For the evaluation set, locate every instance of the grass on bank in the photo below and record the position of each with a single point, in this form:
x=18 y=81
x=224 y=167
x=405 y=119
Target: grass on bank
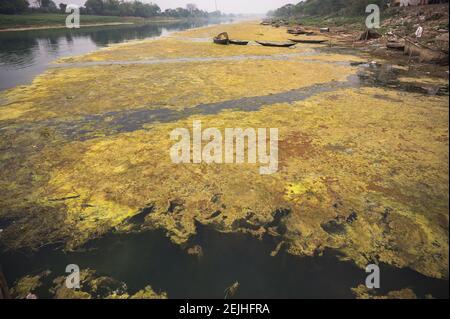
x=56 y=19
x=351 y=22
x=337 y=21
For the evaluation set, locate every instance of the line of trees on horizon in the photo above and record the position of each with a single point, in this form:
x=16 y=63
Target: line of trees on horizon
x=13 y=6
x=123 y=8
x=325 y=7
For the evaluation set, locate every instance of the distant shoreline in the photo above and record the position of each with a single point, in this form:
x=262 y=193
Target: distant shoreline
x=63 y=26
x=28 y=22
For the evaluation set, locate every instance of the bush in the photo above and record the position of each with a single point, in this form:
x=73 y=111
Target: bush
x=327 y=7
x=13 y=6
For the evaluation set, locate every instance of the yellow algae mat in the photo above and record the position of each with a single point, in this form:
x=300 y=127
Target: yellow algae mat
x=198 y=43
x=362 y=170
x=64 y=92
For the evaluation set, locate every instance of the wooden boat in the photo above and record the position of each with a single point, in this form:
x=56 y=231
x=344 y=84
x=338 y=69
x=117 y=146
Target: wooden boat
x=238 y=42
x=296 y=31
x=276 y=44
x=310 y=41
x=395 y=46
x=299 y=32
x=222 y=39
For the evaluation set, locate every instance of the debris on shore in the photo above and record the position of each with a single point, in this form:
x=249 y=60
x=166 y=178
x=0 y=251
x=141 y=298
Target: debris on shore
x=420 y=32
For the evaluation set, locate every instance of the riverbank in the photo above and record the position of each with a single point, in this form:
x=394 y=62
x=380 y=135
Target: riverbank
x=363 y=151
x=39 y=21
x=398 y=26
x=27 y=54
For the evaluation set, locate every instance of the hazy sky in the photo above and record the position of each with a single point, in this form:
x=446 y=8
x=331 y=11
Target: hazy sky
x=228 y=6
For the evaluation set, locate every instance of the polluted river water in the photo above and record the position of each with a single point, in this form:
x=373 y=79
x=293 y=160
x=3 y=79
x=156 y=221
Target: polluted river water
x=87 y=177
x=139 y=259
x=25 y=54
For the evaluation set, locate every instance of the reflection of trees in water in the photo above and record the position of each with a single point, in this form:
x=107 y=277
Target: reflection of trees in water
x=102 y=37
x=116 y=35
x=51 y=44
x=26 y=54
x=69 y=38
x=28 y=47
x=17 y=50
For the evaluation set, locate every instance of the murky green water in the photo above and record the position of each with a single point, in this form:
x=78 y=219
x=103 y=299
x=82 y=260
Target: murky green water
x=150 y=258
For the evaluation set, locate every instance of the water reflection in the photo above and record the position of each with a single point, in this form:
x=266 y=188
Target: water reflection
x=25 y=54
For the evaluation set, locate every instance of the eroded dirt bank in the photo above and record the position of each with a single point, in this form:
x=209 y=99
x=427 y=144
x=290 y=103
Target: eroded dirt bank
x=363 y=149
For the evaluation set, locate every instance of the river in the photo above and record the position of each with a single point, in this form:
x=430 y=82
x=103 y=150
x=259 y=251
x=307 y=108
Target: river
x=25 y=54
x=95 y=176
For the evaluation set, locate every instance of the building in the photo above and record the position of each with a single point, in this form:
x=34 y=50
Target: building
x=405 y=3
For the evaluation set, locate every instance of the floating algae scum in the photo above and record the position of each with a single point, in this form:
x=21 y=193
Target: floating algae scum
x=27 y=54
x=227 y=258
x=87 y=176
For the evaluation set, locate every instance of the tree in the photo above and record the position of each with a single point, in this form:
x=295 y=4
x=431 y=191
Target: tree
x=327 y=7
x=122 y=8
x=51 y=5
x=62 y=7
x=191 y=7
x=94 y=6
x=13 y=6
x=126 y=9
x=215 y=14
x=46 y=5
x=111 y=7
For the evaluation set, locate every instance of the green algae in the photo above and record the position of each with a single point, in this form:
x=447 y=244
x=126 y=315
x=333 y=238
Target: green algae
x=400 y=220
x=94 y=286
x=363 y=171
x=172 y=49
x=185 y=44
x=157 y=86
x=362 y=292
x=148 y=293
x=27 y=285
